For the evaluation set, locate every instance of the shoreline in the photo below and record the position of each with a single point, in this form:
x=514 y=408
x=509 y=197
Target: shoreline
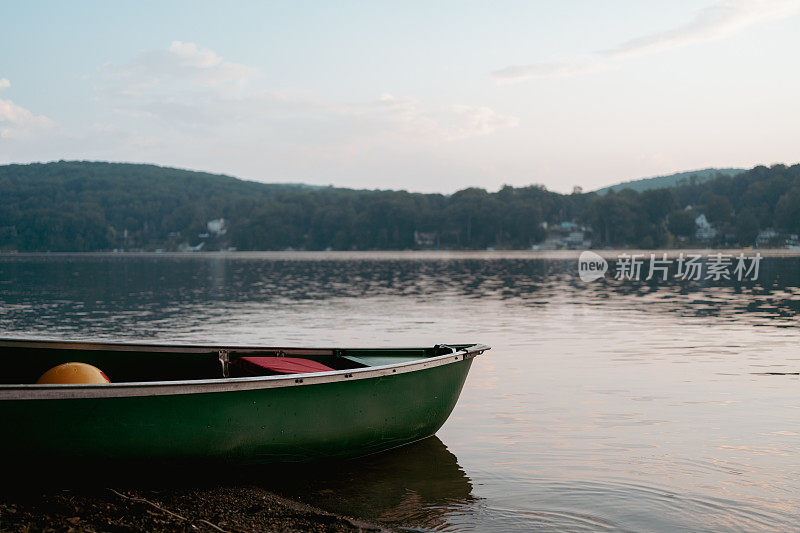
x=124 y=508
x=333 y=255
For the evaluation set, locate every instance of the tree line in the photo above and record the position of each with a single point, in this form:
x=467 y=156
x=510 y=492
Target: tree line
x=92 y=206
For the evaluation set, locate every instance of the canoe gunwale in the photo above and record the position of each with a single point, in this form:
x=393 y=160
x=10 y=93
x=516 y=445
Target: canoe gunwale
x=11 y=392
x=12 y=342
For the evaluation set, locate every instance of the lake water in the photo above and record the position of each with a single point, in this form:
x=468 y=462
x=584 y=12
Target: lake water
x=610 y=405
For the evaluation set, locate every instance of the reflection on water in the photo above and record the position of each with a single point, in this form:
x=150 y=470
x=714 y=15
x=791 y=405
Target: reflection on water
x=605 y=405
x=57 y=293
x=420 y=484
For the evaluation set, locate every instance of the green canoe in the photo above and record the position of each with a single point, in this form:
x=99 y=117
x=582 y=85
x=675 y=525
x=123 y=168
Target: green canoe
x=169 y=402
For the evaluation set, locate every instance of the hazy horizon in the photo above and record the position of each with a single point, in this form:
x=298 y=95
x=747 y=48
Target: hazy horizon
x=426 y=98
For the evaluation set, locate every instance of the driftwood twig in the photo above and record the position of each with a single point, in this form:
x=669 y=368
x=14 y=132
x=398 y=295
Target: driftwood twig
x=167 y=511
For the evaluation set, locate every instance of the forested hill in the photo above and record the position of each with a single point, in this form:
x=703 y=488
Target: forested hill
x=672 y=180
x=87 y=206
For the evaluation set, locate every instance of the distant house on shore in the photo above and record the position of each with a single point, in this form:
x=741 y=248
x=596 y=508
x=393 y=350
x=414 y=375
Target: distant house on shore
x=564 y=236
x=704 y=230
x=766 y=236
x=217 y=226
x=426 y=239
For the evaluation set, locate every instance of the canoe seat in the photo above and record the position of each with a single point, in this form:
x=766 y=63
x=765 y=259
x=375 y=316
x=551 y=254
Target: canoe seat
x=260 y=366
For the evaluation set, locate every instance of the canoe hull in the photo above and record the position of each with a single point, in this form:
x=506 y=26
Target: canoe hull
x=298 y=423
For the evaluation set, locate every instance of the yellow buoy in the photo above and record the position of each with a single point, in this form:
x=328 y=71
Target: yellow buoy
x=73 y=373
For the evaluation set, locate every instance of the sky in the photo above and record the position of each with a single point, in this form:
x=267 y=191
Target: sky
x=422 y=96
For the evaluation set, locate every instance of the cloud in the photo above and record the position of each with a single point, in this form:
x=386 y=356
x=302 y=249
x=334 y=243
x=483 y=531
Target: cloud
x=471 y=121
x=392 y=119
x=718 y=21
x=189 y=54
x=189 y=90
x=180 y=65
x=551 y=69
x=16 y=122
x=187 y=105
